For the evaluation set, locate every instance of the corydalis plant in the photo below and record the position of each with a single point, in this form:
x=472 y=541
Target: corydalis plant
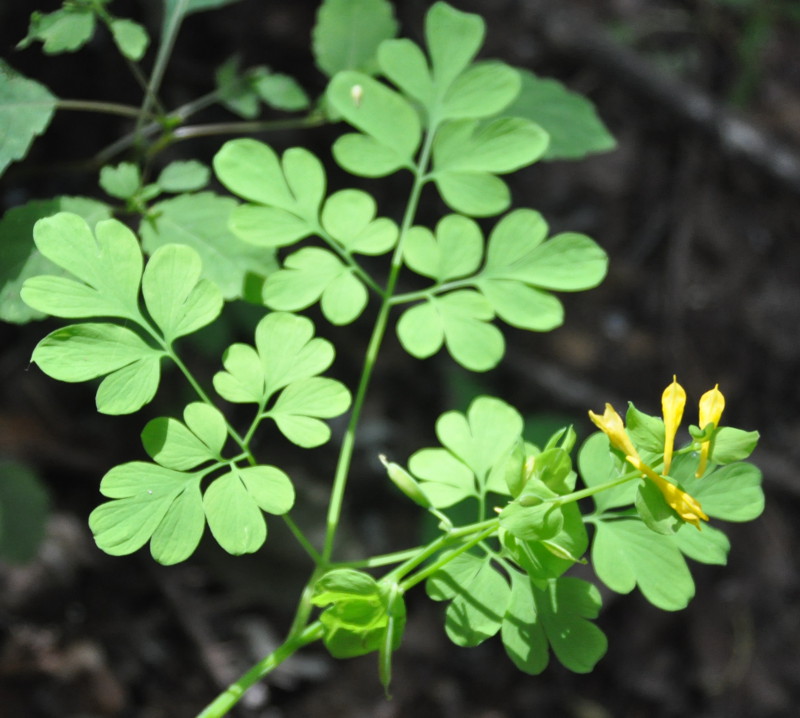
x=457 y=125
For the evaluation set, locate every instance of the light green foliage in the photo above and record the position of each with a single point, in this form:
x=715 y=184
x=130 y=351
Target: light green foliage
x=23 y=512
x=348 y=33
x=65 y=30
x=19 y=257
x=475 y=454
x=200 y=221
x=122 y=181
x=453 y=121
x=107 y=267
x=478 y=596
x=519 y=270
x=287 y=358
x=26 y=108
x=130 y=37
x=569 y=119
x=558 y=615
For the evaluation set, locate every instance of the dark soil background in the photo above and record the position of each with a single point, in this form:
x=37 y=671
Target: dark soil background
x=698 y=209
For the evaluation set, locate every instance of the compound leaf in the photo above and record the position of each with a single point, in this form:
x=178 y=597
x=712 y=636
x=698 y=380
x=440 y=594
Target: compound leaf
x=478 y=597
x=26 y=108
x=143 y=496
x=286 y=194
x=286 y=351
x=178 y=300
x=444 y=479
x=311 y=274
x=80 y=352
x=121 y=181
x=560 y=615
x=130 y=37
x=626 y=553
x=453 y=39
x=19 y=258
x=707 y=546
x=107 y=265
x=348 y=32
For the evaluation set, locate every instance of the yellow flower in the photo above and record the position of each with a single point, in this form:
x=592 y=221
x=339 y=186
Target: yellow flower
x=673 y=400
x=612 y=426
x=712 y=404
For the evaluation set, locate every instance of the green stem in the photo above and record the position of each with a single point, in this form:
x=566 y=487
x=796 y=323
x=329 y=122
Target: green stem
x=434 y=289
x=109 y=108
x=592 y=490
x=231 y=696
x=301 y=539
x=378 y=332
x=235 y=128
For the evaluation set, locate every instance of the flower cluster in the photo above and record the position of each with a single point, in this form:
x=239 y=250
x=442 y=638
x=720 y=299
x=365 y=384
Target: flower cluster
x=673 y=401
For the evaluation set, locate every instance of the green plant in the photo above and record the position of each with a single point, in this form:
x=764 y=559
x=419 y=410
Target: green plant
x=452 y=123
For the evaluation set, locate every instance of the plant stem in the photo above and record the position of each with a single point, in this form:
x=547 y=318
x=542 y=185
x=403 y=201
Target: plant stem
x=233 y=128
x=109 y=108
x=225 y=701
x=378 y=332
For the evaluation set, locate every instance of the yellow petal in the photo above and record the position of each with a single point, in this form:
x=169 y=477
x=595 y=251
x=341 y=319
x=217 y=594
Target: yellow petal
x=685 y=505
x=611 y=424
x=673 y=401
x=712 y=404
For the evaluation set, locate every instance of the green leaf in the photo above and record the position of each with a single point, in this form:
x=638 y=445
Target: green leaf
x=483 y=438
x=467 y=154
x=235 y=90
x=286 y=351
x=122 y=181
x=559 y=616
x=130 y=37
x=626 y=553
x=178 y=300
x=80 y=352
x=19 y=258
x=311 y=274
x=390 y=123
x=107 y=266
x=65 y=30
x=478 y=597
x=566 y=262
x=279 y=91
x=461 y=319
x=707 y=546
x=287 y=194
x=183 y=176
x=149 y=501
x=456 y=250
x=24 y=507
x=233 y=515
x=349 y=217
x=26 y=108
x=569 y=119
x=482 y=90
x=453 y=39
x=300 y=406
x=201 y=221
x=729 y=444
x=522 y=306
x=184 y=446
x=444 y=479
x=654 y=511
x=533 y=522
x=347 y=34
x=731 y=493
x=597 y=465
x=646 y=432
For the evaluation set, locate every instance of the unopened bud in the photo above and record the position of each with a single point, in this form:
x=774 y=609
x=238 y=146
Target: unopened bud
x=405 y=482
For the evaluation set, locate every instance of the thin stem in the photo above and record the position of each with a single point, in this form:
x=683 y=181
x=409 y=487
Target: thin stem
x=234 y=128
x=435 y=289
x=109 y=108
x=301 y=539
x=592 y=490
x=378 y=332
x=162 y=58
x=225 y=701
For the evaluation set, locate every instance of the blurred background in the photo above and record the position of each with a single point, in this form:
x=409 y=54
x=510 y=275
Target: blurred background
x=698 y=210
